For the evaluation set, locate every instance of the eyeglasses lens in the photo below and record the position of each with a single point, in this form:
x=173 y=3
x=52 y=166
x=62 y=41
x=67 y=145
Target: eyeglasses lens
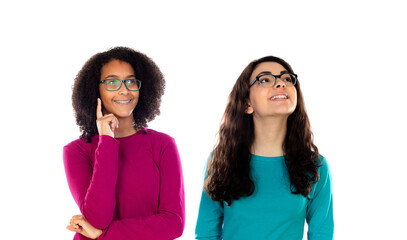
x=132 y=84
x=115 y=84
x=268 y=81
x=112 y=84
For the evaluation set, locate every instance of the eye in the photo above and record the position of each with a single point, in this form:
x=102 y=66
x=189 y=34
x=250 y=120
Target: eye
x=112 y=82
x=287 y=78
x=131 y=81
x=265 y=79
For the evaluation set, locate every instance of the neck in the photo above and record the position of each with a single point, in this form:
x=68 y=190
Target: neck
x=269 y=135
x=126 y=127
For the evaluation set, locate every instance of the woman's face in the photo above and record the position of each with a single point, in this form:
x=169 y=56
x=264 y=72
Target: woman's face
x=121 y=102
x=279 y=100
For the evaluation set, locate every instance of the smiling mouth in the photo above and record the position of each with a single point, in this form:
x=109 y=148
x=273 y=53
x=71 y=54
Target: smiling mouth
x=279 y=97
x=122 y=102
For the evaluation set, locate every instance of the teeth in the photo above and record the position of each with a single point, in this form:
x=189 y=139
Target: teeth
x=279 y=97
x=123 y=101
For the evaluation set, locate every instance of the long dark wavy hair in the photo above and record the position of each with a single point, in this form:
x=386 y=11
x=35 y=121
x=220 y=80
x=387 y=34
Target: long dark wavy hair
x=86 y=88
x=228 y=171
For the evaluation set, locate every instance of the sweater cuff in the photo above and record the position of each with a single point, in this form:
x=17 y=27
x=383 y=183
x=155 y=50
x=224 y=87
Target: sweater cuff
x=103 y=234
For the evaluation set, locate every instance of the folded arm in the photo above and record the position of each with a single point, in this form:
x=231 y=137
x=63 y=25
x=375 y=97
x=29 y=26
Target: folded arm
x=169 y=222
x=93 y=188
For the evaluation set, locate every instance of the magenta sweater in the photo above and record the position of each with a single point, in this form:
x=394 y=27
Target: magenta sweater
x=130 y=187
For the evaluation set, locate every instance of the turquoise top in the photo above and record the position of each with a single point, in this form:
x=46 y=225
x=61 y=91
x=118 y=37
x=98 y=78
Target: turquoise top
x=272 y=212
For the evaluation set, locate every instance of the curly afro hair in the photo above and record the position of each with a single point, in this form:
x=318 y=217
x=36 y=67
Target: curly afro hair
x=86 y=89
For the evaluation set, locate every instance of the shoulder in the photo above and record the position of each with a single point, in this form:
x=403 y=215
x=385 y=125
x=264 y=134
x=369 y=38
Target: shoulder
x=158 y=138
x=163 y=146
x=81 y=146
x=157 y=134
x=324 y=183
x=323 y=168
x=325 y=179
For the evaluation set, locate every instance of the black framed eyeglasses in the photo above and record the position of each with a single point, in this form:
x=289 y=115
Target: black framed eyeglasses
x=268 y=80
x=115 y=84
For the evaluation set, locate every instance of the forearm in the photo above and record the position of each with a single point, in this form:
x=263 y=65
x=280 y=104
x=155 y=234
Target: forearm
x=94 y=188
x=100 y=200
x=165 y=225
x=169 y=220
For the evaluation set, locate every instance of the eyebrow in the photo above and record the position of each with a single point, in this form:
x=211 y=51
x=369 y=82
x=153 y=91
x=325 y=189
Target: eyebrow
x=115 y=76
x=267 y=72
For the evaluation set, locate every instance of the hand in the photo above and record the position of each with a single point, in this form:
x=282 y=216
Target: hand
x=105 y=124
x=79 y=224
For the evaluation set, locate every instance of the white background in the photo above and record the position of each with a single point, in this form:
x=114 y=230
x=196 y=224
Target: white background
x=350 y=57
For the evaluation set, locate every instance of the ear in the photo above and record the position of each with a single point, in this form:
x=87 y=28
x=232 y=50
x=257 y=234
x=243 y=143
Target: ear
x=249 y=108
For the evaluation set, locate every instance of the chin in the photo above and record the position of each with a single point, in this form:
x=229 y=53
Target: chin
x=123 y=115
x=284 y=111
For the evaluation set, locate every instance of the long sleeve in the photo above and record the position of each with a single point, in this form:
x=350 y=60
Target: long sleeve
x=93 y=187
x=169 y=222
x=210 y=219
x=320 y=207
x=210 y=216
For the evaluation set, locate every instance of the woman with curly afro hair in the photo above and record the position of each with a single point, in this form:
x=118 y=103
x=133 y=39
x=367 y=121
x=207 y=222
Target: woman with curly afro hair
x=265 y=176
x=126 y=179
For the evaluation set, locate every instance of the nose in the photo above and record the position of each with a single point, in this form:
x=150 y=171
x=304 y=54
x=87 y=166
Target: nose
x=279 y=83
x=123 y=89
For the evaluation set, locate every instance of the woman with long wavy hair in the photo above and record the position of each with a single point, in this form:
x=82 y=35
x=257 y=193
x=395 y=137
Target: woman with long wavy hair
x=265 y=176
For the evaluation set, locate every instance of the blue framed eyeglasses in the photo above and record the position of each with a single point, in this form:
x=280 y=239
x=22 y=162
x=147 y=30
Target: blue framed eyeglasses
x=115 y=84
